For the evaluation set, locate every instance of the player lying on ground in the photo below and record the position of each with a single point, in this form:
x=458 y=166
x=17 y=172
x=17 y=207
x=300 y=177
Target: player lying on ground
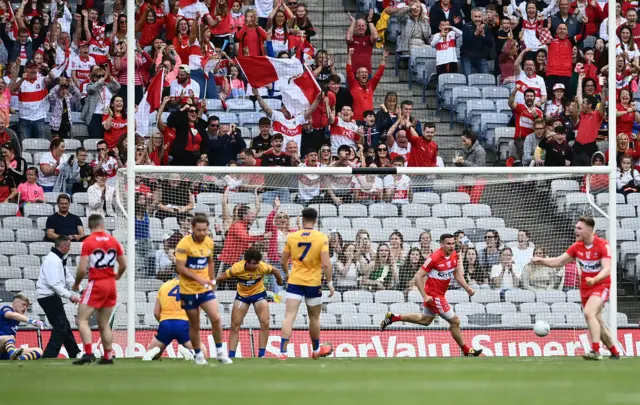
x=439 y=268
x=173 y=323
x=250 y=274
x=594 y=259
x=194 y=264
x=100 y=252
x=309 y=253
x=10 y=318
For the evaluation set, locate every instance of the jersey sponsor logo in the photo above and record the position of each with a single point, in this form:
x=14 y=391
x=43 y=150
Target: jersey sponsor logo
x=197 y=262
x=250 y=283
x=441 y=275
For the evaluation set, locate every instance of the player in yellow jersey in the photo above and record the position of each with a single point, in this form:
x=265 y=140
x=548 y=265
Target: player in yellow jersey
x=250 y=274
x=194 y=264
x=174 y=323
x=309 y=253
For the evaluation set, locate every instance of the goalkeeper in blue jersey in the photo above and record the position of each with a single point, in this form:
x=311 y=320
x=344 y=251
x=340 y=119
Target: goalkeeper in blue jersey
x=10 y=317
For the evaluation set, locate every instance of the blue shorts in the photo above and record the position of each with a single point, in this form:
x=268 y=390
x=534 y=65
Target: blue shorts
x=4 y=356
x=252 y=299
x=193 y=301
x=171 y=329
x=312 y=294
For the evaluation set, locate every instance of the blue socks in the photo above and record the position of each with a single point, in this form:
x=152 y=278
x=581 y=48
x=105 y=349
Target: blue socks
x=197 y=351
x=10 y=347
x=218 y=345
x=261 y=352
x=283 y=345
x=30 y=356
x=315 y=344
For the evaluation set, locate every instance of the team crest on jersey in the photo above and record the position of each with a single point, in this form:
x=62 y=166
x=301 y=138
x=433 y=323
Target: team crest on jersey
x=588 y=255
x=37 y=86
x=448 y=263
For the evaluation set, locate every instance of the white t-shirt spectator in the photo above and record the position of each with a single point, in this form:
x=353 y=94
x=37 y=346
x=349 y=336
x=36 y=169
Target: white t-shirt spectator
x=400 y=151
x=521 y=257
x=343 y=133
x=309 y=184
x=32 y=97
x=400 y=186
x=110 y=167
x=446 y=47
x=291 y=129
x=191 y=88
x=82 y=67
x=47 y=158
x=263 y=8
x=509 y=279
x=375 y=187
x=535 y=82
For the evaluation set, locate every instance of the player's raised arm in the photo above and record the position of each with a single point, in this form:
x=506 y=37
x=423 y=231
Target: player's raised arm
x=419 y=280
x=458 y=275
x=327 y=270
x=557 y=261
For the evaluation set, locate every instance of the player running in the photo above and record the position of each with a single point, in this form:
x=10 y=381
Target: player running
x=309 y=252
x=10 y=317
x=251 y=291
x=439 y=268
x=100 y=252
x=594 y=258
x=194 y=264
x=174 y=323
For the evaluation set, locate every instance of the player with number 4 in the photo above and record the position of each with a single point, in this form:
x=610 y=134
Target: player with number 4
x=100 y=252
x=309 y=253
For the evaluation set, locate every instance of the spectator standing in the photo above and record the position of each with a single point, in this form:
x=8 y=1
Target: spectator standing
x=183 y=89
x=522 y=250
x=341 y=94
x=63 y=222
x=591 y=15
x=558 y=152
x=362 y=89
x=525 y=115
x=370 y=134
x=319 y=121
x=275 y=157
x=80 y=65
x=191 y=139
x=361 y=43
x=626 y=114
x=54 y=283
x=559 y=66
x=369 y=188
x=444 y=42
x=526 y=78
x=32 y=100
x=250 y=38
x=476 y=41
x=424 y=150
x=416 y=32
x=61 y=99
x=591 y=116
x=114 y=122
x=238 y=239
x=445 y=10
x=532 y=141
x=263 y=9
x=225 y=147
x=564 y=16
x=388 y=113
x=100 y=91
x=50 y=163
x=262 y=142
x=397 y=188
x=79 y=173
x=101 y=196
x=344 y=130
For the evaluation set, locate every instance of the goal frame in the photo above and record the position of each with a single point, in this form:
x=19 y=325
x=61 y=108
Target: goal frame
x=133 y=169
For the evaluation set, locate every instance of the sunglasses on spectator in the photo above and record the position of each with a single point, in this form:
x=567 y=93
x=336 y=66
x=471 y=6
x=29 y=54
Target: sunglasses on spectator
x=193 y=110
x=326 y=150
x=489 y=237
x=140 y=149
x=292 y=3
x=214 y=125
x=382 y=149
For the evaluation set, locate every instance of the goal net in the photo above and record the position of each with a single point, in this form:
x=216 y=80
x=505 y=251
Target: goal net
x=380 y=228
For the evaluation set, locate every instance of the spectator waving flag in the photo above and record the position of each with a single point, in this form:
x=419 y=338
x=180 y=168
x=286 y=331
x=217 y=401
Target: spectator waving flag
x=150 y=103
x=298 y=86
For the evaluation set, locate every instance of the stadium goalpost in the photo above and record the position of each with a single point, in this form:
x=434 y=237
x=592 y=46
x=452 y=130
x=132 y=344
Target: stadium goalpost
x=126 y=188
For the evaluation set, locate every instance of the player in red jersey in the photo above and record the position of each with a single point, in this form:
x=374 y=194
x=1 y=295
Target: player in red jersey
x=592 y=254
x=439 y=268
x=100 y=253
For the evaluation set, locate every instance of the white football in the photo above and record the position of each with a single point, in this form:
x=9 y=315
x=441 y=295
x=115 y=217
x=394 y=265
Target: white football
x=541 y=328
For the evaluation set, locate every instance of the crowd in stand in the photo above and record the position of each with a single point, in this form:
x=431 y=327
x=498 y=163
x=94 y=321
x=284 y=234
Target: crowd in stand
x=65 y=64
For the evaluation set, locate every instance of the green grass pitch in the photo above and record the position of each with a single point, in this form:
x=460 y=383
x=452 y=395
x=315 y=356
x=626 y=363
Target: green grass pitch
x=438 y=381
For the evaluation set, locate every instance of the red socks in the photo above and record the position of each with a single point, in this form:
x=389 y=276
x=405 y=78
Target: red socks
x=595 y=347
x=465 y=349
x=396 y=318
x=88 y=348
x=614 y=351
x=108 y=354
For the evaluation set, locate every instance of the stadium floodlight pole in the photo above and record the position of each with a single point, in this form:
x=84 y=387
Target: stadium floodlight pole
x=613 y=149
x=131 y=179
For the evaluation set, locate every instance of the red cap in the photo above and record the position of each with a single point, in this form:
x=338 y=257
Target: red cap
x=83 y=43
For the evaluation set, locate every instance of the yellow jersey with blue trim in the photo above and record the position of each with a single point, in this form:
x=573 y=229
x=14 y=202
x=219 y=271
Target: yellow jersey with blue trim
x=197 y=257
x=170 y=304
x=305 y=247
x=250 y=282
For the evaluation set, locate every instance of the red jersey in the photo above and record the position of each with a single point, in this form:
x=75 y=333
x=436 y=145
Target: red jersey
x=424 y=153
x=589 y=258
x=102 y=250
x=118 y=128
x=524 y=120
x=363 y=49
x=439 y=270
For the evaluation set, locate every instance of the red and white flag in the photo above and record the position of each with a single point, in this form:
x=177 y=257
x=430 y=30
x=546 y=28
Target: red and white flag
x=189 y=9
x=150 y=102
x=298 y=87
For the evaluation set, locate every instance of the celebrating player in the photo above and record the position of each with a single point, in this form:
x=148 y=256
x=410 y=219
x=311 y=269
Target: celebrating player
x=309 y=252
x=251 y=291
x=439 y=267
x=592 y=254
x=100 y=252
x=10 y=318
x=174 y=323
x=194 y=264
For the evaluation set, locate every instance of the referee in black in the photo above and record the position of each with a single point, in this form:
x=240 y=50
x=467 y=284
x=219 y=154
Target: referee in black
x=54 y=284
